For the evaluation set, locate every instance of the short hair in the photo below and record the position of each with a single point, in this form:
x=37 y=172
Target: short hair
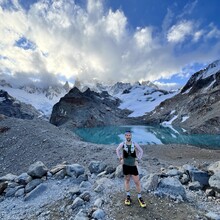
x=127 y=132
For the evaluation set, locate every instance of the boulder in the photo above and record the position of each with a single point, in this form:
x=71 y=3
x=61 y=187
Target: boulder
x=23 y=179
x=98 y=202
x=149 y=182
x=57 y=168
x=99 y=214
x=214 y=168
x=119 y=172
x=195 y=186
x=37 y=169
x=9 y=192
x=77 y=202
x=74 y=170
x=8 y=177
x=81 y=215
x=96 y=166
x=60 y=174
x=110 y=170
x=85 y=196
x=31 y=185
x=173 y=172
x=200 y=176
x=3 y=186
x=35 y=192
x=171 y=186
x=19 y=192
x=184 y=179
x=214 y=181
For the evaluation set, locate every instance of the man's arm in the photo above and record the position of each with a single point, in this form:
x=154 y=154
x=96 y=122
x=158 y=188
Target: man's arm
x=139 y=151
x=119 y=152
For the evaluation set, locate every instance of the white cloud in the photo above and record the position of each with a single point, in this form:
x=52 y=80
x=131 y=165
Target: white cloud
x=180 y=31
x=197 y=35
x=91 y=42
x=214 y=32
x=143 y=37
x=167 y=86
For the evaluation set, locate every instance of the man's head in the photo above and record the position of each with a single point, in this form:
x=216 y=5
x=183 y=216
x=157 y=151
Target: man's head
x=128 y=136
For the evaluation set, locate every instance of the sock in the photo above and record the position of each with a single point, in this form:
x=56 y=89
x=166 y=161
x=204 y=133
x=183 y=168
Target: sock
x=139 y=195
x=128 y=193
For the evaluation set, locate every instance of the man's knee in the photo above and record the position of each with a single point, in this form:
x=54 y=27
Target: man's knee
x=127 y=178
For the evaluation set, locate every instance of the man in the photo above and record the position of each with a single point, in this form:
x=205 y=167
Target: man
x=129 y=153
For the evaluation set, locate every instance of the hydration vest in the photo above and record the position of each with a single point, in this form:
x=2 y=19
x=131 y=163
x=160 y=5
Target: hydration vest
x=127 y=152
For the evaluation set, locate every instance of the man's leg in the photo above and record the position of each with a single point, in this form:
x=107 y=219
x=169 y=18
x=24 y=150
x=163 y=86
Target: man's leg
x=127 y=183
x=138 y=187
x=137 y=183
x=127 y=189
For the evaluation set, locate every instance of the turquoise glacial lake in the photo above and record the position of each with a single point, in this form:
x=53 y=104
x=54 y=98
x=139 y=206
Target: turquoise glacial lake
x=147 y=135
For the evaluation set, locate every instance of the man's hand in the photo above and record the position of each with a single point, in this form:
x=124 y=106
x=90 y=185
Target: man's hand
x=121 y=161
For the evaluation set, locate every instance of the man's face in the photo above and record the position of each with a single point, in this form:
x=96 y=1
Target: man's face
x=128 y=136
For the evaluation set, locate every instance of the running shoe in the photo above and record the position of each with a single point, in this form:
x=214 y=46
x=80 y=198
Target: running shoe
x=141 y=202
x=128 y=200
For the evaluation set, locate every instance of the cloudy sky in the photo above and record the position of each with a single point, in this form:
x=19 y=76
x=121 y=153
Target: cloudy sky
x=163 y=41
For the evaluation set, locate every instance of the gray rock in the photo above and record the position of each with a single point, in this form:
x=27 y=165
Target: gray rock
x=85 y=184
x=119 y=172
x=8 y=177
x=210 y=192
x=149 y=182
x=215 y=167
x=60 y=174
x=37 y=169
x=85 y=196
x=9 y=192
x=81 y=178
x=195 y=186
x=99 y=188
x=35 y=192
x=57 y=168
x=184 y=179
x=188 y=168
x=19 y=192
x=74 y=191
x=99 y=214
x=23 y=179
x=214 y=181
x=81 y=215
x=74 y=170
x=77 y=202
x=96 y=166
x=98 y=203
x=31 y=185
x=110 y=169
x=103 y=173
x=173 y=172
x=3 y=186
x=171 y=186
x=200 y=176
x=212 y=216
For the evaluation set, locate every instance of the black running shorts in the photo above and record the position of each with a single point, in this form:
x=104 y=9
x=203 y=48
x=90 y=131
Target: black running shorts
x=130 y=170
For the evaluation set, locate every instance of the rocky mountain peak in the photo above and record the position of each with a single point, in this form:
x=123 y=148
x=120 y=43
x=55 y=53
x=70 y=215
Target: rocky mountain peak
x=11 y=107
x=203 y=80
x=196 y=107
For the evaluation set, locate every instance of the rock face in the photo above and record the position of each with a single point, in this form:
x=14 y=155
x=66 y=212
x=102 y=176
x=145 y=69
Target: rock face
x=13 y=108
x=195 y=108
x=89 y=109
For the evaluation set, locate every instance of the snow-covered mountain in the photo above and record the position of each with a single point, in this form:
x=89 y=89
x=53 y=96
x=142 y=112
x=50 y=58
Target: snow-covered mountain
x=138 y=97
x=42 y=99
x=196 y=106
